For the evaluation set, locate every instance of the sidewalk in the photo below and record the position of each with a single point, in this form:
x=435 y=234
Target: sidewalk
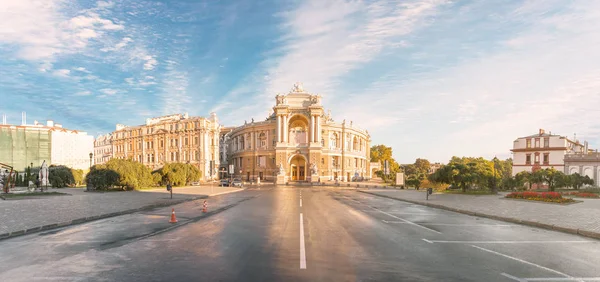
x=581 y=218
x=18 y=217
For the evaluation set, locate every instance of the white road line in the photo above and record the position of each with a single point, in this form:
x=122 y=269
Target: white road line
x=451 y=224
x=522 y=261
x=512 y=277
x=427 y=241
x=302 y=249
x=562 y=279
x=300 y=202
x=510 y=242
x=409 y=222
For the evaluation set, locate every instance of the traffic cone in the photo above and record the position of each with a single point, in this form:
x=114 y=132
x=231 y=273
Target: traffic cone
x=173 y=218
x=204 y=207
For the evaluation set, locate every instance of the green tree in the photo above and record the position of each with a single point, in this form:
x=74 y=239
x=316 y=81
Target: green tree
x=550 y=176
x=381 y=153
x=577 y=180
x=178 y=174
x=422 y=166
x=77 y=176
x=524 y=177
x=102 y=178
x=60 y=176
x=132 y=175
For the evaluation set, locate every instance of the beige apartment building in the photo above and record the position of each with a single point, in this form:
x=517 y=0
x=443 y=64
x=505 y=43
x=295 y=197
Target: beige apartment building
x=299 y=141
x=173 y=138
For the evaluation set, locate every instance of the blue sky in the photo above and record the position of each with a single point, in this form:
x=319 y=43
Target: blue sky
x=431 y=78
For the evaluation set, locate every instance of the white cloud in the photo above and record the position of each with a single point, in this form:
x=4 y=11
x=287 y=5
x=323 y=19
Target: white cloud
x=174 y=83
x=83 y=93
x=41 y=31
x=62 y=72
x=104 y=4
x=150 y=62
x=109 y=91
x=129 y=80
x=82 y=69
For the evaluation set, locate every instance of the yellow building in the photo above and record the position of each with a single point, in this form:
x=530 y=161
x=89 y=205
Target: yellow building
x=298 y=142
x=173 y=138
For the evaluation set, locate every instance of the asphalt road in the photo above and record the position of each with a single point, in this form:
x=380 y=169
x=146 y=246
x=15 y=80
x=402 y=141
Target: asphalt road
x=299 y=234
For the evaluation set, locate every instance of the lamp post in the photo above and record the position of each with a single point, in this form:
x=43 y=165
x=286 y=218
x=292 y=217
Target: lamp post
x=91 y=156
x=494 y=188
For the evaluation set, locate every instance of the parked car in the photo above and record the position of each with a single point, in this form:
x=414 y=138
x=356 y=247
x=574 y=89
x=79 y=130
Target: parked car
x=195 y=183
x=224 y=183
x=236 y=183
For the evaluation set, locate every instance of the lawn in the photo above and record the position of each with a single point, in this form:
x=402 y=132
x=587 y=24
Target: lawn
x=34 y=194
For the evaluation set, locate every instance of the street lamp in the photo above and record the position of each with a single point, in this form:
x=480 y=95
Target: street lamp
x=91 y=156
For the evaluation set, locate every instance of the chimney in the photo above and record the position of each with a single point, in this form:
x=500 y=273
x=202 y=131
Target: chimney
x=542 y=131
x=50 y=123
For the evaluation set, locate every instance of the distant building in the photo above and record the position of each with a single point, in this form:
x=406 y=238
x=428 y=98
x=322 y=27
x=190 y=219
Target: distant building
x=103 y=148
x=173 y=138
x=32 y=144
x=299 y=141
x=584 y=164
x=434 y=167
x=543 y=150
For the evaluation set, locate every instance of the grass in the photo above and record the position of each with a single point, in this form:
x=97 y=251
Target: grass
x=34 y=194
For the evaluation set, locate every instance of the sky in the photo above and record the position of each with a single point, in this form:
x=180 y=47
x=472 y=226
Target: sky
x=430 y=78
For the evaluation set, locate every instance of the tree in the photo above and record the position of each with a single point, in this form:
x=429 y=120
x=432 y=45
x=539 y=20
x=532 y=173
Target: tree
x=102 y=178
x=577 y=180
x=422 y=166
x=60 y=176
x=381 y=153
x=132 y=175
x=550 y=176
x=77 y=176
x=524 y=177
x=178 y=173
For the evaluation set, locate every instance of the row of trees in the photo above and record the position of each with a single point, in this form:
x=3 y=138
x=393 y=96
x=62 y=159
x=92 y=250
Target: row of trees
x=59 y=176
x=129 y=175
x=552 y=178
x=468 y=173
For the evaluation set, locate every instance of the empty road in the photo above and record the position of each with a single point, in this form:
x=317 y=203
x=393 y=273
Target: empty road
x=299 y=234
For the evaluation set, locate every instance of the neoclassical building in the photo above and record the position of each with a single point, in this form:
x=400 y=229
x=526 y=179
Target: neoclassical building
x=173 y=138
x=298 y=142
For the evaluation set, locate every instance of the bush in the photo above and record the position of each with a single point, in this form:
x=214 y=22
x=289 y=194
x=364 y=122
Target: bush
x=132 y=175
x=60 y=176
x=177 y=174
x=102 y=178
x=554 y=197
x=581 y=194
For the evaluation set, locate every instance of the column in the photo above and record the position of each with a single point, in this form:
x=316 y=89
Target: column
x=285 y=128
x=278 y=128
x=318 y=129
x=312 y=129
x=596 y=176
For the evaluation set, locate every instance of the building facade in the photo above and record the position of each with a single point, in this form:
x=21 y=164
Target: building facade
x=103 y=148
x=584 y=164
x=173 y=138
x=32 y=144
x=543 y=150
x=298 y=142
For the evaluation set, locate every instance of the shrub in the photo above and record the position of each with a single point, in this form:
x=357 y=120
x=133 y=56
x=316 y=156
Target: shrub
x=582 y=194
x=554 y=197
x=60 y=176
x=102 y=178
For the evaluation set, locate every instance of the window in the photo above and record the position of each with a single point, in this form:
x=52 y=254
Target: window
x=162 y=143
x=196 y=140
x=333 y=141
x=322 y=161
x=537 y=158
x=186 y=140
x=242 y=143
x=546 y=158
x=262 y=140
x=528 y=159
x=322 y=142
x=537 y=142
x=528 y=143
x=355 y=162
x=176 y=142
x=546 y=142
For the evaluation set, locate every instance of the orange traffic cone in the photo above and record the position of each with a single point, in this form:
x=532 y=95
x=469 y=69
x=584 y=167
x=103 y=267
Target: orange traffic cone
x=204 y=207
x=173 y=218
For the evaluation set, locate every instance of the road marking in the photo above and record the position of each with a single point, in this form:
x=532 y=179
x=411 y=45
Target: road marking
x=409 y=222
x=512 y=277
x=451 y=224
x=561 y=279
x=302 y=250
x=427 y=241
x=509 y=242
x=300 y=202
x=522 y=261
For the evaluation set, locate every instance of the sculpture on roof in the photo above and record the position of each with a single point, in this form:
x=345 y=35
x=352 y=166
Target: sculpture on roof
x=297 y=88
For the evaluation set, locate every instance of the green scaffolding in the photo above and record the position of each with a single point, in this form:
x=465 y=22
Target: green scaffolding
x=20 y=147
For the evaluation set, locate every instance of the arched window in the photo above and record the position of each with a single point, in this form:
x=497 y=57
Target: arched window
x=298 y=132
x=242 y=143
x=355 y=144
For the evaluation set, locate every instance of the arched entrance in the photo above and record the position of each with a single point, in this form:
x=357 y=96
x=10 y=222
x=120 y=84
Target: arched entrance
x=298 y=168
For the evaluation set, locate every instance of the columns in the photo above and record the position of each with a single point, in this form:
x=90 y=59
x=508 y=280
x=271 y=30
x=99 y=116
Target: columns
x=279 y=128
x=312 y=129
x=285 y=128
x=318 y=129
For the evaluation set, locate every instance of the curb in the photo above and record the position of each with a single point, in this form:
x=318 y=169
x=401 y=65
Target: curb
x=585 y=233
x=93 y=218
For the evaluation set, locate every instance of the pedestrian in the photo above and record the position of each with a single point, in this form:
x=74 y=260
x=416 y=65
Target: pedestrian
x=170 y=189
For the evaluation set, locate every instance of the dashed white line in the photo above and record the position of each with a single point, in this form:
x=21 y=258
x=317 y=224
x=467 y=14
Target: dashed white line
x=522 y=261
x=302 y=249
x=300 y=202
x=512 y=277
x=427 y=241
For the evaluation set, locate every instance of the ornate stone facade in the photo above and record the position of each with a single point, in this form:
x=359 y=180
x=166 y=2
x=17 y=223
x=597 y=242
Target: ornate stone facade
x=298 y=142
x=174 y=138
x=584 y=164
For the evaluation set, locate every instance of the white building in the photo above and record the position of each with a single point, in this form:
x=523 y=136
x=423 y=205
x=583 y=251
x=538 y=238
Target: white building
x=543 y=150
x=103 y=148
x=70 y=148
x=584 y=164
